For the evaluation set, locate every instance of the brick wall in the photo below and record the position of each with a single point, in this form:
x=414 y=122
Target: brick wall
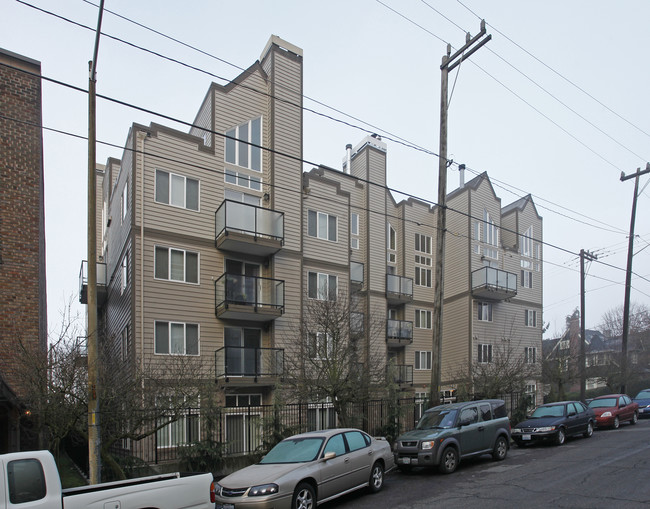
x=22 y=237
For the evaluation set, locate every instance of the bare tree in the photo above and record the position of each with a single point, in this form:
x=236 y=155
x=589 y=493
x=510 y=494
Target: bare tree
x=335 y=354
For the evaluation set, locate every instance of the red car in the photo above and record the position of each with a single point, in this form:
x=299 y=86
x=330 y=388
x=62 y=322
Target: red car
x=611 y=409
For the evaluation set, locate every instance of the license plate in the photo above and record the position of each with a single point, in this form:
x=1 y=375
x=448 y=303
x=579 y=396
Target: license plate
x=225 y=506
x=525 y=437
x=405 y=461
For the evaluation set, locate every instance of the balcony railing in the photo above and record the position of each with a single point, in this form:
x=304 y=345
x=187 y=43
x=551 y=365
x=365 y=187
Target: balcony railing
x=399 y=289
x=493 y=284
x=400 y=373
x=399 y=332
x=101 y=283
x=239 y=297
x=250 y=229
x=246 y=362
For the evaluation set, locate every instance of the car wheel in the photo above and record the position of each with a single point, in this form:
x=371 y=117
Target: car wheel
x=560 y=437
x=304 y=497
x=635 y=418
x=449 y=460
x=617 y=423
x=376 y=480
x=589 y=431
x=500 y=449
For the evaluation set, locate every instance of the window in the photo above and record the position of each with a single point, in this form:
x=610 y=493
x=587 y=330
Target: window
x=530 y=318
x=491 y=236
x=421 y=400
x=182 y=431
x=176 y=338
x=321 y=225
x=176 y=265
x=354 y=231
x=423 y=243
x=125 y=272
x=356 y=272
x=322 y=286
x=484 y=353
x=530 y=355
x=423 y=277
x=321 y=416
x=320 y=345
x=125 y=202
x=243 y=180
x=486 y=412
x=250 y=199
x=526 y=278
x=356 y=440
x=422 y=319
x=243 y=145
x=124 y=346
x=243 y=400
x=469 y=415
x=391 y=243
x=177 y=190
x=356 y=322
x=484 y=311
x=335 y=445
x=243 y=353
x=26 y=481
x=423 y=360
x=527 y=243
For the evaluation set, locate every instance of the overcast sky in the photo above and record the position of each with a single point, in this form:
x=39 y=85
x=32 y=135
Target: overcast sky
x=555 y=105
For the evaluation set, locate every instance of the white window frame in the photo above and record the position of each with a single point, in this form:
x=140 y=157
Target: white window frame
x=175 y=433
x=240 y=179
x=484 y=353
x=425 y=241
x=391 y=243
x=526 y=278
x=530 y=355
x=422 y=319
x=354 y=230
x=323 y=283
x=169 y=338
x=527 y=242
x=170 y=201
x=491 y=250
x=484 y=311
x=322 y=220
x=235 y=140
x=530 y=318
x=124 y=204
x=320 y=342
x=423 y=275
x=169 y=265
x=422 y=360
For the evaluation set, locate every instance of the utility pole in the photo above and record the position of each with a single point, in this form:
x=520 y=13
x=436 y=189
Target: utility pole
x=94 y=438
x=583 y=372
x=449 y=62
x=628 y=274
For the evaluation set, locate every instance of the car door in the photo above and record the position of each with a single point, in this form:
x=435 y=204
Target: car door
x=469 y=435
x=627 y=409
x=334 y=472
x=361 y=457
x=487 y=435
x=573 y=419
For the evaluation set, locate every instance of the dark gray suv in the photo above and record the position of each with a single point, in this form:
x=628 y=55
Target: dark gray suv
x=448 y=433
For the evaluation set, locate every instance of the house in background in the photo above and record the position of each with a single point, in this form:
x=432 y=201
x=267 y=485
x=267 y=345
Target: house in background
x=212 y=247
x=23 y=305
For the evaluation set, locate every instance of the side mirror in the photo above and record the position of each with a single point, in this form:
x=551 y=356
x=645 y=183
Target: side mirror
x=329 y=455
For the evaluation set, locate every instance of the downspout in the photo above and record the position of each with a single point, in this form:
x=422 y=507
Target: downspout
x=142 y=137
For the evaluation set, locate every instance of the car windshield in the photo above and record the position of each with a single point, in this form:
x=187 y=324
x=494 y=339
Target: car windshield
x=294 y=450
x=603 y=403
x=645 y=394
x=437 y=419
x=548 y=411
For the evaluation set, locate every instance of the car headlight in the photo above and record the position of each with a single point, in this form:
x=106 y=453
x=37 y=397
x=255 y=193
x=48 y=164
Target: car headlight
x=263 y=489
x=429 y=444
x=606 y=414
x=216 y=488
x=546 y=428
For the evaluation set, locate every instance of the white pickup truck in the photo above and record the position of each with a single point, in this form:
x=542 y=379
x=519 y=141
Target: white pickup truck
x=30 y=480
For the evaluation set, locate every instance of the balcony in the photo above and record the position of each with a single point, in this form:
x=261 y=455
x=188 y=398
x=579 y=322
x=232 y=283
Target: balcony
x=493 y=284
x=399 y=289
x=400 y=373
x=241 y=364
x=101 y=283
x=399 y=333
x=249 y=229
x=250 y=298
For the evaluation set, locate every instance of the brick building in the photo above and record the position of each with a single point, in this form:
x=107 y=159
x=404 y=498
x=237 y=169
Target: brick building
x=23 y=307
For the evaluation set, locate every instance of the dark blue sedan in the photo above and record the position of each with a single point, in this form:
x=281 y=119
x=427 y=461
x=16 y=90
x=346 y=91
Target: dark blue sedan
x=643 y=399
x=555 y=422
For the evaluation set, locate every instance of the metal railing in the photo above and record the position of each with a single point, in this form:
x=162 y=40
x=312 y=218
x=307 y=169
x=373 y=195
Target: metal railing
x=399 y=285
x=250 y=219
x=399 y=329
x=254 y=291
x=236 y=361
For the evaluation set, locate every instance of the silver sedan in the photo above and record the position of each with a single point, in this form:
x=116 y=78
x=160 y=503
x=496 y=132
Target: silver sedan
x=307 y=469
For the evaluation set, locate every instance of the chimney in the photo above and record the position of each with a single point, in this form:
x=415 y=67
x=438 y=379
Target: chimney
x=461 y=169
x=348 y=158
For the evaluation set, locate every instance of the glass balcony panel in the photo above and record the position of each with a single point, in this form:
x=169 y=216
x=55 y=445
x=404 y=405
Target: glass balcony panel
x=493 y=284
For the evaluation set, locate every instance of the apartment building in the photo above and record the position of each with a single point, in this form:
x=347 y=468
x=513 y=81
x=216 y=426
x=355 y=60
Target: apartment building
x=23 y=305
x=212 y=245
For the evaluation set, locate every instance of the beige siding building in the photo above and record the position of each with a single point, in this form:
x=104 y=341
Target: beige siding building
x=214 y=240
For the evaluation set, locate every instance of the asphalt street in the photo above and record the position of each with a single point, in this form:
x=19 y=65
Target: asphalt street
x=609 y=470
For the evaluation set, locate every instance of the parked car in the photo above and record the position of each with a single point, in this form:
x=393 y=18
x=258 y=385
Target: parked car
x=30 y=479
x=447 y=434
x=555 y=422
x=308 y=469
x=611 y=409
x=643 y=400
